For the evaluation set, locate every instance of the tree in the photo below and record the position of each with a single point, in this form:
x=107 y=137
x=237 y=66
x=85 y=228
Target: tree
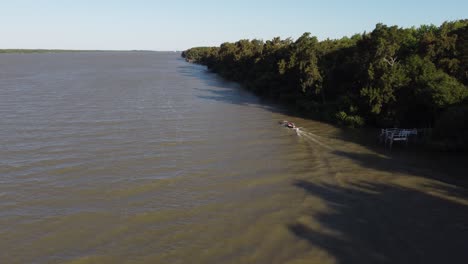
x=389 y=76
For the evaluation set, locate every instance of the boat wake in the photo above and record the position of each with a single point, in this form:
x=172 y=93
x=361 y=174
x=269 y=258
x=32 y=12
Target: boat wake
x=311 y=137
x=308 y=136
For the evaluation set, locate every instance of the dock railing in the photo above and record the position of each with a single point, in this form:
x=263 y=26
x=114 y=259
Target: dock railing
x=389 y=135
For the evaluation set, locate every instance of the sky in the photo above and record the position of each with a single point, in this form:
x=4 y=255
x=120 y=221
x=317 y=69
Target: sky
x=179 y=25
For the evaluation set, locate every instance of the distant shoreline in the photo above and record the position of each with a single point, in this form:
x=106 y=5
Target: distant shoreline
x=7 y=51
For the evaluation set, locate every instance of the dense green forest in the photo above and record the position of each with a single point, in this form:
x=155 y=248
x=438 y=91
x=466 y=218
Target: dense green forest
x=390 y=77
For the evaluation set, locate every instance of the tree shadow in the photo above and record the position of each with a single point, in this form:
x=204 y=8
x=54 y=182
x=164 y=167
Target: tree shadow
x=371 y=222
x=218 y=89
x=447 y=168
x=413 y=159
x=199 y=72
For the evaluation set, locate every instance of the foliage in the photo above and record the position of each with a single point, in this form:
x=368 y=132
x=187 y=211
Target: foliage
x=202 y=55
x=349 y=120
x=452 y=127
x=391 y=76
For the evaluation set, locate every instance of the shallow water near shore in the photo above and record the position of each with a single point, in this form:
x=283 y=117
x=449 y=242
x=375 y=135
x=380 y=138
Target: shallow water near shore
x=140 y=157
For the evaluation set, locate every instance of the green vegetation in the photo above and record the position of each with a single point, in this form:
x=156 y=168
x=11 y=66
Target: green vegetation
x=392 y=76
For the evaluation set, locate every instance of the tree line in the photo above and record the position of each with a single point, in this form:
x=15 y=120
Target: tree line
x=390 y=77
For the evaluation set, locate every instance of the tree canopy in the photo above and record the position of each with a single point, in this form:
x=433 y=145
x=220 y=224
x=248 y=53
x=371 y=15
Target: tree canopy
x=391 y=76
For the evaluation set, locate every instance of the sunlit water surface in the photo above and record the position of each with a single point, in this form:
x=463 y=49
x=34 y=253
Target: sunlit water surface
x=140 y=157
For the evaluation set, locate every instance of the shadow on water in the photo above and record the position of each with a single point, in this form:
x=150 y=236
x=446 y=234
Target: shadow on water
x=226 y=94
x=219 y=89
x=447 y=168
x=370 y=221
x=383 y=223
x=416 y=211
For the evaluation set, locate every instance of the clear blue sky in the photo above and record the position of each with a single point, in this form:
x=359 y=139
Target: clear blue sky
x=178 y=25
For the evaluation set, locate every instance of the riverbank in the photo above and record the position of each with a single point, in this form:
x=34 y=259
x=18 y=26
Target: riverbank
x=360 y=81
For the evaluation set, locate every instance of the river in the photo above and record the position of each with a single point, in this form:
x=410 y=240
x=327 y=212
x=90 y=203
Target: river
x=141 y=157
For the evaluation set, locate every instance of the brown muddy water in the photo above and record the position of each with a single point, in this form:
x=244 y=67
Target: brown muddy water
x=140 y=157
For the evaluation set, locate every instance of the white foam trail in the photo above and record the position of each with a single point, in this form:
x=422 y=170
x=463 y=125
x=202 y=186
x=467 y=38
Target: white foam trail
x=310 y=136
